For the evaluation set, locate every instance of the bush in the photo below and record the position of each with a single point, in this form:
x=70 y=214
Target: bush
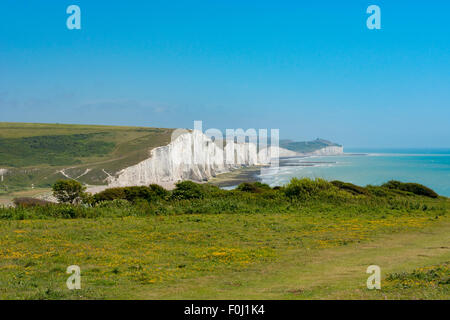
x=27 y=202
x=255 y=187
x=110 y=194
x=188 y=190
x=151 y=193
x=68 y=191
x=306 y=188
x=415 y=188
x=350 y=187
x=158 y=191
x=378 y=191
x=139 y=192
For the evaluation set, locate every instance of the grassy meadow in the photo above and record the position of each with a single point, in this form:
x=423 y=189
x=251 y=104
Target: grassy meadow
x=308 y=240
x=35 y=154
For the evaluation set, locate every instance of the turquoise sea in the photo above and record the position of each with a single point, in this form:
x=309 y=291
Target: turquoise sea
x=430 y=167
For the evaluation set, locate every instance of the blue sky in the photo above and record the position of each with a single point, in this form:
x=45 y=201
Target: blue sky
x=310 y=68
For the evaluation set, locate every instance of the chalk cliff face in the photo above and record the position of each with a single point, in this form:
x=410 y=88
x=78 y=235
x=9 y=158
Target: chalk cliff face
x=194 y=156
x=328 y=151
x=191 y=156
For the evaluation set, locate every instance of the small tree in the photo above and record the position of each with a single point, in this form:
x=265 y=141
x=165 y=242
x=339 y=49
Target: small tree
x=68 y=191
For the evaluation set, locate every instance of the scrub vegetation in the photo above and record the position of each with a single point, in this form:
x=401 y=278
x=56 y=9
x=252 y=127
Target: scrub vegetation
x=308 y=239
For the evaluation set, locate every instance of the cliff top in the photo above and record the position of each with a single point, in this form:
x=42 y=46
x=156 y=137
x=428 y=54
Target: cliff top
x=39 y=154
x=307 y=146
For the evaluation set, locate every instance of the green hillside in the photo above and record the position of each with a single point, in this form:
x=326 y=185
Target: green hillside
x=36 y=153
x=307 y=146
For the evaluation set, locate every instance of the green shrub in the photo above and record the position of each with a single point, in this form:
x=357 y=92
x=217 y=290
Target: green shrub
x=68 y=191
x=306 y=188
x=317 y=196
x=214 y=191
x=138 y=193
x=67 y=211
x=152 y=193
x=110 y=194
x=415 y=188
x=158 y=191
x=350 y=187
x=253 y=187
x=188 y=190
x=378 y=191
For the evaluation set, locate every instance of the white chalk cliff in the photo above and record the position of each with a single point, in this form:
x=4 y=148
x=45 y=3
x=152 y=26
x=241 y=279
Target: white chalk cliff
x=328 y=151
x=194 y=156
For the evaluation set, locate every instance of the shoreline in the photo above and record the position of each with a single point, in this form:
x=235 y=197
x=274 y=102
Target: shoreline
x=250 y=174
x=236 y=177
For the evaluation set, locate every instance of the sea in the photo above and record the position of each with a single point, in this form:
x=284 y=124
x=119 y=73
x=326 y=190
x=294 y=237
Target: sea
x=360 y=166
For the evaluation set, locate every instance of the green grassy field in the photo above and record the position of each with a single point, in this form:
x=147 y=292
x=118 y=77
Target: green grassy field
x=223 y=257
x=232 y=245
x=35 y=154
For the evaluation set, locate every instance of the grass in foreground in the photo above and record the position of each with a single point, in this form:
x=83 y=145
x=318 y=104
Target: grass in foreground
x=310 y=239
x=220 y=256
